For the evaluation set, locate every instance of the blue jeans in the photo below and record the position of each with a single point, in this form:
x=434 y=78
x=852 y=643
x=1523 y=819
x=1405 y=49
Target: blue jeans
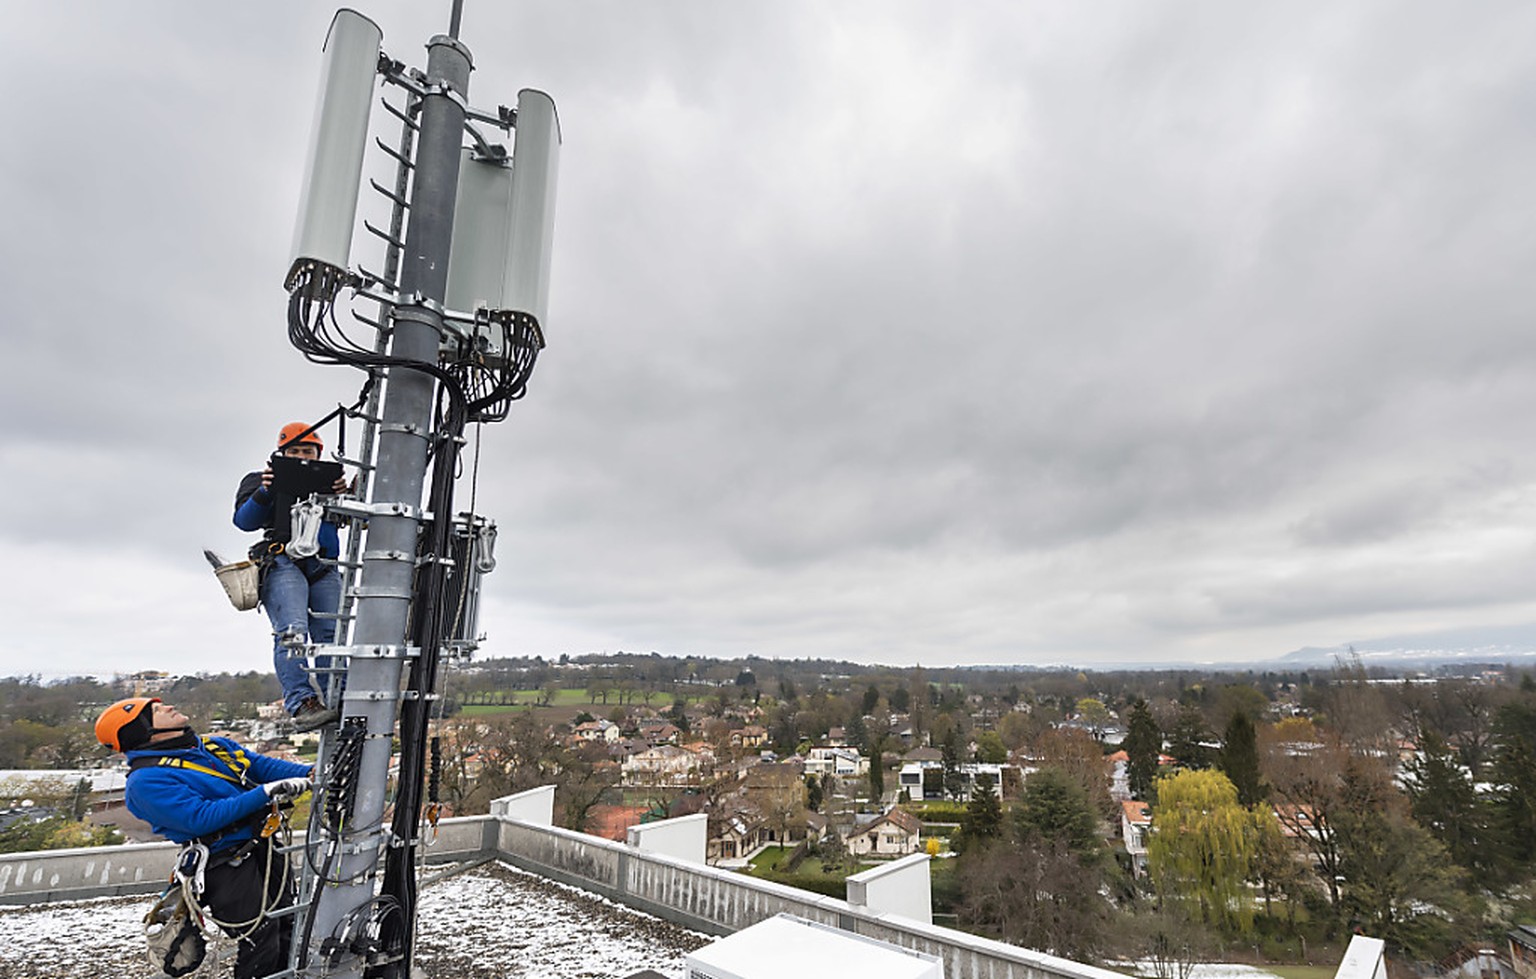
x=289 y=599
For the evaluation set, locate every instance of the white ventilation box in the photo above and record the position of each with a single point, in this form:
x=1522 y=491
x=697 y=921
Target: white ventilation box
x=785 y=945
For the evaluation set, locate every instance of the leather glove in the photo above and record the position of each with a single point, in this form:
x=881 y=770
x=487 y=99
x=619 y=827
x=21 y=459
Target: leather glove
x=287 y=789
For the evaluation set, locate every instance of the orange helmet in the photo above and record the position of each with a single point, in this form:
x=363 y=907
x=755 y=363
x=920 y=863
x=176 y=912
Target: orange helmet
x=127 y=724
x=292 y=429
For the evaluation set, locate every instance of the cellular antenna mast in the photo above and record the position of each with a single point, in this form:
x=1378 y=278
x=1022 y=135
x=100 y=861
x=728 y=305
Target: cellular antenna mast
x=461 y=309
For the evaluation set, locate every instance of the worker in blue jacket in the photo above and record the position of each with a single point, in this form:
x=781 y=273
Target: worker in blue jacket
x=211 y=791
x=294 y=588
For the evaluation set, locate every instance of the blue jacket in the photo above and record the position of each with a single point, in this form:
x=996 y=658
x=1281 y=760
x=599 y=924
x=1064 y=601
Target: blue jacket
x=255 y=509
x=183 y=803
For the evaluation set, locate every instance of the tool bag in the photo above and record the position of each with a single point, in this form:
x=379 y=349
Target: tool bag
x=242 y=583
x=174 y=941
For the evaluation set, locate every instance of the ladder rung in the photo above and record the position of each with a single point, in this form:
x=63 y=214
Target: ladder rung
x=388 y=238
x=400 y=114
x=390 y=194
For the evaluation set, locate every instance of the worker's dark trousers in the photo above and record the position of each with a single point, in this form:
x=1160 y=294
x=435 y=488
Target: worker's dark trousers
x=233 y=893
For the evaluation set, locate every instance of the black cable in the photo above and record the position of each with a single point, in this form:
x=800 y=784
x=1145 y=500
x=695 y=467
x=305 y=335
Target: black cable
x=475 y=389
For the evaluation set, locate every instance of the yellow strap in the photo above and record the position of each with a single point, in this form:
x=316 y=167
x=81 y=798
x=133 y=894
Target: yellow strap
x=238 y=764
x=169 y=762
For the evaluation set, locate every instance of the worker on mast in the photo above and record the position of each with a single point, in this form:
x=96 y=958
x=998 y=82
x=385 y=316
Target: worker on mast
x=212 y=796
x=296 y=581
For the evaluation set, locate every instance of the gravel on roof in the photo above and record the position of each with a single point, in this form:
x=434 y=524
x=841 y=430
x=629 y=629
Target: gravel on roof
x=490 y=922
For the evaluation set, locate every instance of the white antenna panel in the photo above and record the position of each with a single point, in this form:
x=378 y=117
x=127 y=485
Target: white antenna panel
x=477 y=259
x=535 y=164
x=328 y=202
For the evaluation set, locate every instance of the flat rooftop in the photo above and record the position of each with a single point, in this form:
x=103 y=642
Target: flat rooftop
x=489 y=922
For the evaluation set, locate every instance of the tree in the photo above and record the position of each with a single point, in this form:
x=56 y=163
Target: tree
x=1514 y=778
x=1240 y=759
x=1309 y=784
x=1443 y=800
x=990 y=749
x=918 y=706
x=1203 y=848
x=871 y=700
x=983 y=819
x=1034 y=892
x=954 y=781
x=1357 y=710
x=781 y=802
x=1075 y=752
x=1186 y=742
x=812 y=793
x=677 y=715
x=1143 y=745
x=1399 y=885
x=1279 y=874
x=1054 y=807
x=55 y=833
x=1092 y=712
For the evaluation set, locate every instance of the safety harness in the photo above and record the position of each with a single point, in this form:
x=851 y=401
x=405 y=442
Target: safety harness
x=237 y=763
x=176 y=925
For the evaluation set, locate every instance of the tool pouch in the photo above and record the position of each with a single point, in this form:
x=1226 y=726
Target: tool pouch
x=242 y=583
x=175 y=943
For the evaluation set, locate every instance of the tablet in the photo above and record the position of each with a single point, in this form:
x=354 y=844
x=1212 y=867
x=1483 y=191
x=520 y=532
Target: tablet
x=299 y=478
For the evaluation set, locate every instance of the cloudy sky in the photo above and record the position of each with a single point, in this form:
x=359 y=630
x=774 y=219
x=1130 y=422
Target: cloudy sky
x=996 y=332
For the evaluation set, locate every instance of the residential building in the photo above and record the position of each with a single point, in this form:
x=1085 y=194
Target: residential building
x=842 y=762
x=894 y=834
x=664 y=764
x=1135 y=825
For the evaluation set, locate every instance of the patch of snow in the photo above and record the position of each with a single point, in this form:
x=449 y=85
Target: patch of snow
x=491 y=922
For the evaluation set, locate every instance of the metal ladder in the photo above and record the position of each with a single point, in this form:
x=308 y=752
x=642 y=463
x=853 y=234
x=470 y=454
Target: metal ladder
x=350 y=562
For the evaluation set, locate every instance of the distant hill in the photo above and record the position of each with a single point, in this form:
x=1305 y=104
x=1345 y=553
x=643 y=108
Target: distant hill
x=1493 y=644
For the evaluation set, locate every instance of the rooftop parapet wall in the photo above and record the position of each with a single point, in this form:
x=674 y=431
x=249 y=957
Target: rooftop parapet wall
x=75 y=875
x=46 y=876
x=720 y=902
x=706 y=898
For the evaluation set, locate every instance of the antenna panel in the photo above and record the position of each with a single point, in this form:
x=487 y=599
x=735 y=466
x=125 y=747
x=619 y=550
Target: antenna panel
x=333 y=175
x=477 y=258
x=535 y=165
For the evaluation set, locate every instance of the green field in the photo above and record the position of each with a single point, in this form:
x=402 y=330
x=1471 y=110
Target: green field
x=1301 y=971
x=567 y=697
x=491 y=710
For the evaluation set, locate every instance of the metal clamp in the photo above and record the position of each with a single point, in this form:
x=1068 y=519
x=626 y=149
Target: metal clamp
x=447 y=92
x=403 y=428
x=411 y=308
x=373 y=696
x=364 y=591
x=388 y=556
x=357 y=508
x=376 y=651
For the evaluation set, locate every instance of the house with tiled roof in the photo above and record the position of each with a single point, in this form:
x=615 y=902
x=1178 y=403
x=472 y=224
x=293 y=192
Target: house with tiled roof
x=894 y=834
x=1135 y=825
x=1522 y=950
x=751 y=736
x=659 y=732
x=664 y=764
x=598 y=730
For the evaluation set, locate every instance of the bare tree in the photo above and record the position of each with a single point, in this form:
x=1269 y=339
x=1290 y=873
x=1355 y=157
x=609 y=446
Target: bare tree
x=1035 y=893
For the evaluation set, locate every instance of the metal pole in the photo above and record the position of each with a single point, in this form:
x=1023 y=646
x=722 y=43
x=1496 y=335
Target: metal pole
x=385 y=592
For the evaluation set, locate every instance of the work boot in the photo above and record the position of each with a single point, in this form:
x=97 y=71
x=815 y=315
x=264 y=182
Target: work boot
x=312 y=714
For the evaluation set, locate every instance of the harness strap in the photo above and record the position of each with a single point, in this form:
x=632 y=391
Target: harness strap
x=237 y=762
